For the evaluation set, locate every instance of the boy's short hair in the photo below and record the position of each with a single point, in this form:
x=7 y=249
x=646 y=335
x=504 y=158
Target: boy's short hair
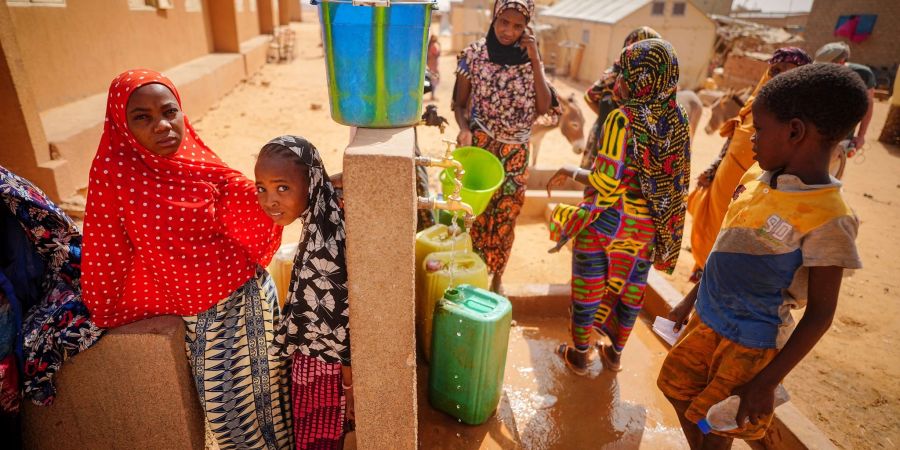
x=832 y=97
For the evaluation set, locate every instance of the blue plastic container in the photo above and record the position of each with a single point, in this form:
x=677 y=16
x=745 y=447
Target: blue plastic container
x=375 y=59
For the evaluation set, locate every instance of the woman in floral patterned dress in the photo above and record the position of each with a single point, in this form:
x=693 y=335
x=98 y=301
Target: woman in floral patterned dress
x=500 y=90
x=43 y=321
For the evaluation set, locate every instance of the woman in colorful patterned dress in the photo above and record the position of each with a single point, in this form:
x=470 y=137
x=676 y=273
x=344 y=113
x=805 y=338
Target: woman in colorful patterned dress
x=170 y=229
x=43 y=321
x=500 y=90
x=632 y=214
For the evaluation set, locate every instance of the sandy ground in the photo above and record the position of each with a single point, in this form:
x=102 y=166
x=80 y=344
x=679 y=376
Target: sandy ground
x=849 y=385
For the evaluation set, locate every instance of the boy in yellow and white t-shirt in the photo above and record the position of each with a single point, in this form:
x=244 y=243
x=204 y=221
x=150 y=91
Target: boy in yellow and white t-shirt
x=786 y=239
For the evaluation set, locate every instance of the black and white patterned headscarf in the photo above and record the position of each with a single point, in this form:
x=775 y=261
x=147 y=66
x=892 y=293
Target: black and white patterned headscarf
x=315 y=317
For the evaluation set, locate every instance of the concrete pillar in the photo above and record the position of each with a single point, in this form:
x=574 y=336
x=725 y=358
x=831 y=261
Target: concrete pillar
x=24 y=149
x=284 y=10
x=223 y=21
x=380 y=208
x=268 y=15
x=133 y=389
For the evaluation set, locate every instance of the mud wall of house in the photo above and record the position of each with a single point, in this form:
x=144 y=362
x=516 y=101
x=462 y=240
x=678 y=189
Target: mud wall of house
x=72 y=51
x=558 y=48
x=880 y=49
x=693 y=36
x=247 y=19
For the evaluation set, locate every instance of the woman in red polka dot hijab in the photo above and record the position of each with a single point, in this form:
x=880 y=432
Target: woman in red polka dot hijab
x=170 y=229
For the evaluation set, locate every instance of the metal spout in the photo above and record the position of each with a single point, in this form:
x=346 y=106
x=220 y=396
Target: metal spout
x=427 y=161
x=453 y=203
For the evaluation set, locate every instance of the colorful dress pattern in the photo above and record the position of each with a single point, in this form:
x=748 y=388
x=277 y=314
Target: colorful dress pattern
x=42 y=288
x=601 y=95
x=660 y=135
x=503 y=108
x=494 y=231
x=503 y=100
x=617 y=228
x=613 y=236
x=319 y=404
x=243 y=391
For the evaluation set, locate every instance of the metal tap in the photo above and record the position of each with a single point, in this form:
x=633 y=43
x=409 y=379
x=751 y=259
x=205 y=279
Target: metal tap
x=446 y=161
x=454 y=201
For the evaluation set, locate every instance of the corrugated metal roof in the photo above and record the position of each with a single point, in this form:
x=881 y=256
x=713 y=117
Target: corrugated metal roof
x=603 y=11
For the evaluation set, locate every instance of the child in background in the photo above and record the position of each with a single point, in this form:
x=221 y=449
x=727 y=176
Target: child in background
x=434 y=52
x=292 y=184
x=787 y=237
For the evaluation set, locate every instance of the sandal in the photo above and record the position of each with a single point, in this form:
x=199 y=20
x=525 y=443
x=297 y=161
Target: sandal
x=563 y=352
x=607 y=364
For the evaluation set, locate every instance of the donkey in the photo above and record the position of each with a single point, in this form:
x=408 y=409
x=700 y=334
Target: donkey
x=692 y=106
x=570 y=124
x=726 y=107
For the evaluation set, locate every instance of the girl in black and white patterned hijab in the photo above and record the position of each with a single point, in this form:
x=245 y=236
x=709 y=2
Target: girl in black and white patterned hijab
x=292 y=184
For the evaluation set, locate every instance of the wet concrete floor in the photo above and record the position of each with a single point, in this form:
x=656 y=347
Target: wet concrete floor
x=546 y=406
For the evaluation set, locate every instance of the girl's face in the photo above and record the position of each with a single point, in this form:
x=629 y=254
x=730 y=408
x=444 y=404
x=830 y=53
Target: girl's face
x=509 y=26
x=282 y=188
x=155 y=119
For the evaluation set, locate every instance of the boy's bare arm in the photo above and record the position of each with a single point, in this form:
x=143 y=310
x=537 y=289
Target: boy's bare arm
x=757 y=396
x=683 y=309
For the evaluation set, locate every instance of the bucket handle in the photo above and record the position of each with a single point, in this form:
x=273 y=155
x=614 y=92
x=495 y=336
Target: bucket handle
x=378 y=3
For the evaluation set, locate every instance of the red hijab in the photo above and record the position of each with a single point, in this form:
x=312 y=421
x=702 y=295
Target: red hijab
x=165 y=234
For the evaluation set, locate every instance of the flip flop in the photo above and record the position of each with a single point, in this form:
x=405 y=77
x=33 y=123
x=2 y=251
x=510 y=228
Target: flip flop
x=562 y=351
x=607 y=364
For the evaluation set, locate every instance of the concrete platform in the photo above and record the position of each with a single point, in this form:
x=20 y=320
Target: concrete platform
x=253 y=51
x=132 y=390
x=548 y=303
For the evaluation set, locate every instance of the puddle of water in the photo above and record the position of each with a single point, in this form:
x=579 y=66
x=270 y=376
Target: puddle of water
x=546 y=406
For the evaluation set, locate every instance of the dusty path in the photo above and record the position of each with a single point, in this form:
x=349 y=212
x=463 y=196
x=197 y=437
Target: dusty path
x=849 y=385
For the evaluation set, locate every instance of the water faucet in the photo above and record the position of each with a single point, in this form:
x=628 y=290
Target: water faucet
x=453 y=202
x=446 y=161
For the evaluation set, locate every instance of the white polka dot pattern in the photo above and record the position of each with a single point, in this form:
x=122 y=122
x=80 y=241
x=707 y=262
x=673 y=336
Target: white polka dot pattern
x=165 y=234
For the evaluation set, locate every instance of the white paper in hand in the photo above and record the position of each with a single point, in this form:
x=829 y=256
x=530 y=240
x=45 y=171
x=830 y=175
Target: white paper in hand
x=665 y=328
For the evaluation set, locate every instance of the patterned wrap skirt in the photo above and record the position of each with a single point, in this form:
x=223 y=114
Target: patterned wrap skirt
x=319 y=404
x=493 y=231
x=244 y=392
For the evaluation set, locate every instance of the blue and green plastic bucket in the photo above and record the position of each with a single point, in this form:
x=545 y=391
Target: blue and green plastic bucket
x=375 y=59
